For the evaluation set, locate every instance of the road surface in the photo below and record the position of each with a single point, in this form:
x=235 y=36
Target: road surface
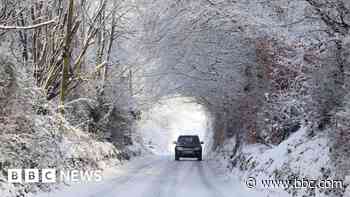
x=159 y=176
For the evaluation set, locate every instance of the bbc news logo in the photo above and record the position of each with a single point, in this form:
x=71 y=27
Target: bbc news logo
x=52 y=176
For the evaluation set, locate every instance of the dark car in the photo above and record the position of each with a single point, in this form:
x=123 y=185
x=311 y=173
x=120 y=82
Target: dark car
x=188 y=146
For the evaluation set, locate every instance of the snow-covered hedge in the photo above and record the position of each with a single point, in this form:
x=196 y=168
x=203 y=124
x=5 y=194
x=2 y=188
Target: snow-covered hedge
x=34 y=135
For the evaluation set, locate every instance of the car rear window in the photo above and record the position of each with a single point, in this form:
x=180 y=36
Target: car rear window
x=186 y=140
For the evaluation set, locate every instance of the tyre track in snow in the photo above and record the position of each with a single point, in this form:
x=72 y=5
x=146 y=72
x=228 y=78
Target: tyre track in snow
x=113 y=183
x=208 y=181
x=159 y=176
x=165 y=183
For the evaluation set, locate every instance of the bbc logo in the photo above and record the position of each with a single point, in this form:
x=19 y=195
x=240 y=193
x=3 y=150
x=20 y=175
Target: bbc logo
x=31 y=175
x=52 y=176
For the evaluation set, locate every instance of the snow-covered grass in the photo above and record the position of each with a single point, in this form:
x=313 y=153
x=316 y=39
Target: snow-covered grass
x=299 y=157
x=53 y=143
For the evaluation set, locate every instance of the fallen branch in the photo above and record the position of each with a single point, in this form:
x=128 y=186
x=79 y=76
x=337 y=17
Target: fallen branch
x=28 y=27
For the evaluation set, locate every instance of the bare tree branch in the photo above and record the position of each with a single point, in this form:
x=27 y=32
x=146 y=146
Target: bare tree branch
x=28 y=27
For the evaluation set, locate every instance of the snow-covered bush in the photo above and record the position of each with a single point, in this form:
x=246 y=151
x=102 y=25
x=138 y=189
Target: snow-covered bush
x=34 y=135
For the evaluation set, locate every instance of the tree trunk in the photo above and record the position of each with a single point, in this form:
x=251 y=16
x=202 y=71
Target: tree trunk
x=109 y=51
x=66 y=56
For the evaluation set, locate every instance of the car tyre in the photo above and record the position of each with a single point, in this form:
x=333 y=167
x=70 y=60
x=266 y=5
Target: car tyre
x=176 y=157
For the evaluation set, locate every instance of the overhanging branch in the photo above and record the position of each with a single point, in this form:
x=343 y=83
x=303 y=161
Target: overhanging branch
x=28 y=27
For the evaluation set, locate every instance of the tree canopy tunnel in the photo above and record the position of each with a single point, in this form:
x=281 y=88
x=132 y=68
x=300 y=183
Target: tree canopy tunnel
x=202 y=65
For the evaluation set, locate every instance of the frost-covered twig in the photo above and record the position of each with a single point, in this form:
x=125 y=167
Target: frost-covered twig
x=27 y=27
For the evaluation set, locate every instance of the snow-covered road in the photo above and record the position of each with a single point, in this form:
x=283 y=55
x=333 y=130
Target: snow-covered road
x=159 y=176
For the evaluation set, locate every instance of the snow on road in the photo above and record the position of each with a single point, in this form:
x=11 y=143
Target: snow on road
x=159 y=176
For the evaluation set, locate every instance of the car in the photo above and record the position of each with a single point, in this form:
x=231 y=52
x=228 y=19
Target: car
x=188 y=146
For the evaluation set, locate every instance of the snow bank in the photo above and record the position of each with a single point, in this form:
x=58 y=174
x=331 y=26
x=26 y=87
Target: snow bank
x=48 y=143
x=299 y=157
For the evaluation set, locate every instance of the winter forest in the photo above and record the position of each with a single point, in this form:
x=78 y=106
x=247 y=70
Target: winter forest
x=79 y=79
